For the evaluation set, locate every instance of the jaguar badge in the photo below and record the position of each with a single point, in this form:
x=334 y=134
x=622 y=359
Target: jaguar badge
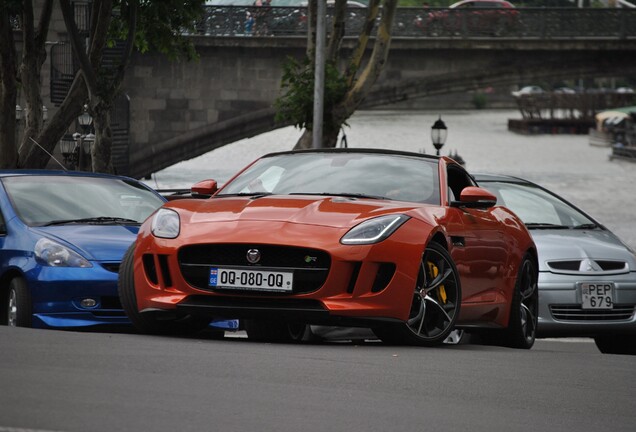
x=253 y=256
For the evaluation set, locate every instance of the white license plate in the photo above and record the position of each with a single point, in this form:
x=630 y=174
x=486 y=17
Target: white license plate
x=599 y=295
x=251 y=279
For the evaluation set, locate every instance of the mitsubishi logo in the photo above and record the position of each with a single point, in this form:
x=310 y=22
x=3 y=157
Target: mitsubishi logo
x=253 y=256
x=588 y=265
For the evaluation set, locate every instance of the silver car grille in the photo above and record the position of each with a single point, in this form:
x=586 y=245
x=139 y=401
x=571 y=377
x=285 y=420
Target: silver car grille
x=588 y=267
x=576 y=313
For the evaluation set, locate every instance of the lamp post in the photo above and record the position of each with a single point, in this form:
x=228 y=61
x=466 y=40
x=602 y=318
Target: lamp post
x=85 y=139
x=85 y=120
x=18 y=120
x=70 y=153
x=438 y=134
x=86 y=146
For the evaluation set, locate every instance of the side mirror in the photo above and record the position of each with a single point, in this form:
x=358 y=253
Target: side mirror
x=475 y=197
x=204 y=187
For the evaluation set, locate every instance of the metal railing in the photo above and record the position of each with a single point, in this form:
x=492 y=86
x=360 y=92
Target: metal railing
x=538 y=23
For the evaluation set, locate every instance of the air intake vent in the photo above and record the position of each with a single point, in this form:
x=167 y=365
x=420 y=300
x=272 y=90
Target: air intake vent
x=588 y=266
x=575 y=313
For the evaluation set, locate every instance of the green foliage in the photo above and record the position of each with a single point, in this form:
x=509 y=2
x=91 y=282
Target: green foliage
x=296 y=106
x=480 y=100
x=162 y=26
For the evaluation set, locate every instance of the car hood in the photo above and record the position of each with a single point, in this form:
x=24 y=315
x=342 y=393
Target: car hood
x=336 y=212
x=94 y=242
x=567 y=244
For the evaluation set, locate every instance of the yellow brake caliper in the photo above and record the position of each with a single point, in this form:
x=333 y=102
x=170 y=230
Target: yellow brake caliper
x=433 y=271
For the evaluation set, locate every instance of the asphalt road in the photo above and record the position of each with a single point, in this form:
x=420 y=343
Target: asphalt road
x=70 y=381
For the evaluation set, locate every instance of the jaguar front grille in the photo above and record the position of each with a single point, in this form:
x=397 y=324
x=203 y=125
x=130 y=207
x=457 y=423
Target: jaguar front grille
x=310 y=266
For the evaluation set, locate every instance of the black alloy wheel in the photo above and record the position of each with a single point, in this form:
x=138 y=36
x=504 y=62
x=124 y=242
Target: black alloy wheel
x=524 y=311
x=436 y=302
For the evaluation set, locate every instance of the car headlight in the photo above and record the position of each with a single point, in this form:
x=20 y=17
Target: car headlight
x=166 y=224
x=53 y=254
x=374 y=230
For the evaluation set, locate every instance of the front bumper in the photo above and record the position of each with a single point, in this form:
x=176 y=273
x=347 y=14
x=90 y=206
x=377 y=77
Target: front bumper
x=65 y=297
x=357 y=289
x=561 y=313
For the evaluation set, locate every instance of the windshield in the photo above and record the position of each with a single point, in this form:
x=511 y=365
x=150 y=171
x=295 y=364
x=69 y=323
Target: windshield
x=536 y=207
x=373 y=175
x=43 y=200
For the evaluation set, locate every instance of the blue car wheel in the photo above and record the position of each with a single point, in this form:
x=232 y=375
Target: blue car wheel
x=18 y=306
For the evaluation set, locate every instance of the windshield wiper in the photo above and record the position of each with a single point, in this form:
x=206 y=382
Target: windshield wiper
x=536 y=225
x=244 y=194
x=100 y=220
x=342 y=194
x=586 y=226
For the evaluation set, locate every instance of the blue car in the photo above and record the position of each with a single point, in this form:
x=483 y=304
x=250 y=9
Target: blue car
x=62 y=238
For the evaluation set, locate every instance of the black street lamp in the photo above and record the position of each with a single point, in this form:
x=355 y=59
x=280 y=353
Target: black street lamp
x=86 y=149
x=85 y=140
x=85 y=120
x=19 y=114
x=438 y=134
x=69 y=150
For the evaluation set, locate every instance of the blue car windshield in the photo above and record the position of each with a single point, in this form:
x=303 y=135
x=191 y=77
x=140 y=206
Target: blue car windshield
x=43 y=200
x=372 y=175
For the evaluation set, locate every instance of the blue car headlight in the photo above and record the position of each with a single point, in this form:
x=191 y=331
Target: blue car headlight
x=53 y=254
x=374 y=230
x=166 y=224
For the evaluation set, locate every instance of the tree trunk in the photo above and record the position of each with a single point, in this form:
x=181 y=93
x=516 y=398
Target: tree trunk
x=101 y=151
x=36 y=156
x=358 y=87
x=8 y=92
x=329 y=139
x=34 y=56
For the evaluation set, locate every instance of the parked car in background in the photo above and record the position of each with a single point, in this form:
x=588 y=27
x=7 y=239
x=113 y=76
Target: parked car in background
x=62 y=238
x=587 y=275
x=528 y=90
x=482 y=4
x=564 y=90
x=480 y=17
x=402 y=243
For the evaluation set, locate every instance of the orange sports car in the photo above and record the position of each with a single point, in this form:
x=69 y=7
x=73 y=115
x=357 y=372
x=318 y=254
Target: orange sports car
x=403 y=243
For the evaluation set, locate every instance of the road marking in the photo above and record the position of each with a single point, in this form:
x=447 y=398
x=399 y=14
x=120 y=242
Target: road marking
x=11 y=429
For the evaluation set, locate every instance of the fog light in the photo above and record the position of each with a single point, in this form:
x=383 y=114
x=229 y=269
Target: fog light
x=88 y=303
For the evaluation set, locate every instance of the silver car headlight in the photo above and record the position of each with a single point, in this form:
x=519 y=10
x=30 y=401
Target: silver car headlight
x=374 y=230
x=166 y=224
x=52 y=253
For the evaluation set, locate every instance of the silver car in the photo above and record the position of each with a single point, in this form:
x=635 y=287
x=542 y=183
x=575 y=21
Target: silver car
x=587 y=275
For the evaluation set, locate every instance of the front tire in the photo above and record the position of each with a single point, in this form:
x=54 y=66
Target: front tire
x=150 y=322
x=616 y=344
x=267 y=331
x=436 y=302
x=522 y=327
x=18 y=308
